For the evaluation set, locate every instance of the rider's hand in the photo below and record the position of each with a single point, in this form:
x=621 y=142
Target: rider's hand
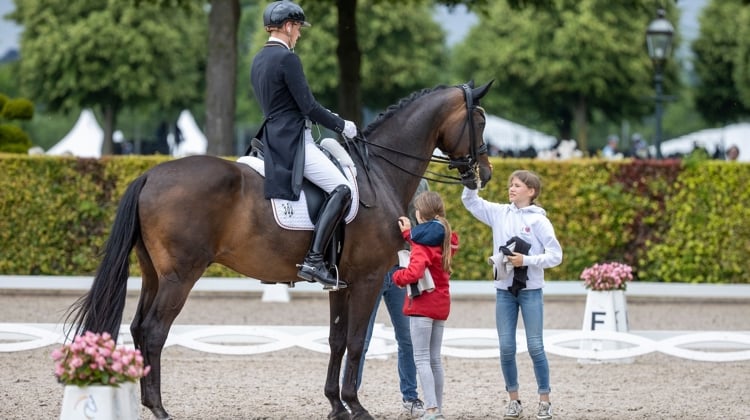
x=350 y=129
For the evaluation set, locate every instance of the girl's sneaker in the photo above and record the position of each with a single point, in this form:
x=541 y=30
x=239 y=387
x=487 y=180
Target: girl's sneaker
x=545 y=411
x=513 y=411
x=413 y=409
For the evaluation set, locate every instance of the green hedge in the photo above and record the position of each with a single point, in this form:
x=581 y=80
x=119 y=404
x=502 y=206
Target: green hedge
x=671 y=222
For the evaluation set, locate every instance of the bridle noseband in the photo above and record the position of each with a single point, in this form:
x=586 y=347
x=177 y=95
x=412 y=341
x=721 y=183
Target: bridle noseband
x=468 y=165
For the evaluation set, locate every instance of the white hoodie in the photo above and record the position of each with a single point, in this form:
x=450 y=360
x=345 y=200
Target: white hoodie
x=529 y=223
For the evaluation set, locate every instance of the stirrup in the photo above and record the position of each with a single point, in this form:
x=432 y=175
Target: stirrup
x=340 y=284
x=309 y=273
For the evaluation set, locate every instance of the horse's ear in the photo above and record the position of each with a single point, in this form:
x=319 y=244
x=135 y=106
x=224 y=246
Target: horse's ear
x=470 y=83
x=478 y=93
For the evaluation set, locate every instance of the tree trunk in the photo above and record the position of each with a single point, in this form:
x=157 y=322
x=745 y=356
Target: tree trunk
x=582 y=124
x=110 y=119
x=563 y=122
x=350 y=62
x=221 y=76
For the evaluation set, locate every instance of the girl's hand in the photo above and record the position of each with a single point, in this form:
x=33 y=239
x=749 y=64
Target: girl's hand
x=516 y=259
x=404 y=223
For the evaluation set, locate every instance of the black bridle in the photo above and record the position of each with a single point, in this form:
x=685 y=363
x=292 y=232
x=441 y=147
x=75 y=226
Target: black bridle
x=467 y=165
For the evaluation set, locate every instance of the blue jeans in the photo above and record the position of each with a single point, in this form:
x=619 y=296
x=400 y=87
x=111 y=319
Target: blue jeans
x=531 y=304
x=393 y=296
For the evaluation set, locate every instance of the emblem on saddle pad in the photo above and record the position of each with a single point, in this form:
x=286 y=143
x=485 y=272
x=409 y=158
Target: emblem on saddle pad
x=295 y=215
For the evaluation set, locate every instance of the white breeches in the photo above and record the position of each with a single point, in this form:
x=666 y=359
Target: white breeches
x=319 y=169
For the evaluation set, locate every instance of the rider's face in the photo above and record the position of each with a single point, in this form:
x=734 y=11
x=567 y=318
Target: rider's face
x=293 y=31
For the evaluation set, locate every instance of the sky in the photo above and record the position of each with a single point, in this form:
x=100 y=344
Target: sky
x=456 y=22
x=9 y=31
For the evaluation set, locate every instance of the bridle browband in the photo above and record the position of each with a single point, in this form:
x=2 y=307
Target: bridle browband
x=467 y=165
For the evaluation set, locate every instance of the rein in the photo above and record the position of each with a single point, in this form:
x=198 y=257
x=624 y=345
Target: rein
x=468 y=163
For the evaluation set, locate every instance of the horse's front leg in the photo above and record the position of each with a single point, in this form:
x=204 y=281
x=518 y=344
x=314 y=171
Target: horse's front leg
x=337 y=342
x=360 y=309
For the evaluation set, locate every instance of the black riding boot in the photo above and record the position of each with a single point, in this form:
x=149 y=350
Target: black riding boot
x=333 y=212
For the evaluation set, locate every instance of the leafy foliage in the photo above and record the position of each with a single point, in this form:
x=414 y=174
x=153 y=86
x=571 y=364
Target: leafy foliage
x=564 y=61
x=111 y=54
x=717 y=63
x=669 y=221
x=12 y=138
x=707 y=239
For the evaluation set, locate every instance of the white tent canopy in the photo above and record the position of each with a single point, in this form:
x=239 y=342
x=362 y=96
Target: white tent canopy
x=193 y=140
x=710 y=139
x=84 y=139
x=507 y=135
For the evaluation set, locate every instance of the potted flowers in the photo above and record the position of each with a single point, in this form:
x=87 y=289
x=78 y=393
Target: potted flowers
x=99 y=377
x=606 y=308
x=607 y=276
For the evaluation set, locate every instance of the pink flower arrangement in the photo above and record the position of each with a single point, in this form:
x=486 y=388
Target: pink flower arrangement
x=607 y=276
x=93 y=359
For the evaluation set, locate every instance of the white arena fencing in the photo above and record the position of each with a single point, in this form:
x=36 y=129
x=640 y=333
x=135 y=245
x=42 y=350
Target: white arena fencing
x=587 y=346
x=470 y=343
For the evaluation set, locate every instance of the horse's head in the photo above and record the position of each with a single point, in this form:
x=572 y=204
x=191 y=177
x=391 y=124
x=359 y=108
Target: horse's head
x=461 y=137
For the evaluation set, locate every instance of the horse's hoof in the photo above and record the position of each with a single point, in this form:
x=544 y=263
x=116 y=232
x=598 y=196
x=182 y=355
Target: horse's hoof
x=339 y=415
x=161 y=414
x=362 y=415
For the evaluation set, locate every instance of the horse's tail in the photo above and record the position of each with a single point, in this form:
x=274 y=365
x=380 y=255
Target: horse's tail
x=100 y=310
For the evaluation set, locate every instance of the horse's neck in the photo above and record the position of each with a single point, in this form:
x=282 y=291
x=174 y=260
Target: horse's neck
x=408 y=139
x=401 y=173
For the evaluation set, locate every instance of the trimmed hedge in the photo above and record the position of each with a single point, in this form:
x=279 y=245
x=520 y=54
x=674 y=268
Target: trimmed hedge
x=671 y=222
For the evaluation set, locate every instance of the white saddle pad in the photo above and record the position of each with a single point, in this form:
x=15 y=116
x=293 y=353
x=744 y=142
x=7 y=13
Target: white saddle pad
x=293 y=215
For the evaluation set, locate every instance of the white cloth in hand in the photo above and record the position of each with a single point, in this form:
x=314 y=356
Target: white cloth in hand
x=350 y=129
x=501 y=266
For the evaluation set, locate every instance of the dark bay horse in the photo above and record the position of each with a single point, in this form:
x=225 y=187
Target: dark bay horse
x=185 y=214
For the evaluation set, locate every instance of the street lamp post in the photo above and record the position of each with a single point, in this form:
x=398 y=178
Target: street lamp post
x=659 y=42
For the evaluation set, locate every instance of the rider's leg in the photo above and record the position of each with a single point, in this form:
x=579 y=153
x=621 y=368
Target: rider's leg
x=322 y=172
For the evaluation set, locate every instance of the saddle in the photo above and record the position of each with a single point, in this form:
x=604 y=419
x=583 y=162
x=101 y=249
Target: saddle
x=314 y=195
x=288 y=214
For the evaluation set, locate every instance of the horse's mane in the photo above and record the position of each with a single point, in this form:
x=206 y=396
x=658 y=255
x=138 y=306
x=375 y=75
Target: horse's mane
x=394 y=108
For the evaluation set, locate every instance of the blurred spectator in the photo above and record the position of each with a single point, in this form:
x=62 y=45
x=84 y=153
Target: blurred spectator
x=640 y=148
x=610 y=150
x=733 y=153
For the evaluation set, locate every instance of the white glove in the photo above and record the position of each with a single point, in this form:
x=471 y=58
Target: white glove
x=350 y=129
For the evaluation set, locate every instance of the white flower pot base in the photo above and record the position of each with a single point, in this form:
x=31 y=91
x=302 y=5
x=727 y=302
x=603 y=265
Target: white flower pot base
x=605 y=311
x=101 y=402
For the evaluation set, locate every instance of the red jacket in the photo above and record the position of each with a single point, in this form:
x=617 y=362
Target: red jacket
x=435 y=304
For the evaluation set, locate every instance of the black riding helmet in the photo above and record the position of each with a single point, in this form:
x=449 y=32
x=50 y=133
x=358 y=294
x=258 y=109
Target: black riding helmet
x=279 y=12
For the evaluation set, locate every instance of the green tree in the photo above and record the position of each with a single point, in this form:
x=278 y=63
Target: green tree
x=403 y=50
x=12 y=138
x=109 y=55
x=717 y=57
x=742 y=71
x=565 y=62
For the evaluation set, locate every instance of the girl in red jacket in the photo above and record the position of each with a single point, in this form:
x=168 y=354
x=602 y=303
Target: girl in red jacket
x=432 y=247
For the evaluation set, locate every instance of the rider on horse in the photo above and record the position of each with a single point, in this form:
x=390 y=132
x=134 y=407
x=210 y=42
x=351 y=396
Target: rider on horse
x=289 y=149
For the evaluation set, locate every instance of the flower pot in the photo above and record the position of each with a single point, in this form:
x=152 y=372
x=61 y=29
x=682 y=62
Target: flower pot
x=100 y=402
x=606 y=310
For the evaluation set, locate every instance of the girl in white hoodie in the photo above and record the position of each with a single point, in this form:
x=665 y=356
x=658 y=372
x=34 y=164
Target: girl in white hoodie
x=520 y=220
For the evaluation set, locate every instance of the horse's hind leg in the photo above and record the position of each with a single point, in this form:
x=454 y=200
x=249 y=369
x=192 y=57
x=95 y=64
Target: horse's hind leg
x=161 y=301
x=150 y=385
